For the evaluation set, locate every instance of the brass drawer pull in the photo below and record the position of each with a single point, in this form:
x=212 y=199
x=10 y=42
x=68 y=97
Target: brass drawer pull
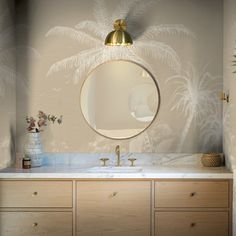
x=114 y=194
x=35 y=224
x=193 y=224
x=35 y=194
x=192 y=194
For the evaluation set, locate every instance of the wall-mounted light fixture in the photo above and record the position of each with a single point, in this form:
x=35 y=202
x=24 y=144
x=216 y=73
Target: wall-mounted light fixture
x=119 y=37
x=224 y=96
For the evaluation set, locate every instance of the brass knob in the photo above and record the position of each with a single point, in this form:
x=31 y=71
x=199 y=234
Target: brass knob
x=114 y=194
x=35 y=194
x=192 y=194
x=192 y=224
x=104 y=160
x=35 y=224
x=224 y=96
x=132 y=160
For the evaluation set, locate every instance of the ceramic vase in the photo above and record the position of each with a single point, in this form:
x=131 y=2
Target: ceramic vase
x=34 y=149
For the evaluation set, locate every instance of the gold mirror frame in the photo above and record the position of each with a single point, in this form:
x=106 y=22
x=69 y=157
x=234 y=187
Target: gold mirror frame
x=158 y=105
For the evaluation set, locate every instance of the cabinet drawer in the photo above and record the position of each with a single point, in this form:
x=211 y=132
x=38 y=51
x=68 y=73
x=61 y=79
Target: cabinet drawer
x=192 y=194
x=35 y=193
x=113 y=208
x=36 y=223
x=191 y=223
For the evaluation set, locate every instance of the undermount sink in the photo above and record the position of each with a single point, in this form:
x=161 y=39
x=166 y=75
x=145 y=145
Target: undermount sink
x=114 y=169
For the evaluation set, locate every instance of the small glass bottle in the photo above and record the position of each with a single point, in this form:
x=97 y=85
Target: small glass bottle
x=26 y=163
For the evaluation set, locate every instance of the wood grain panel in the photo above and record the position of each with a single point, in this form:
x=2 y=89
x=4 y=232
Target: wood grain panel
x=192 y=194
x=36 y=223
x=191 y=224
x=35 y=193
x=113 y=208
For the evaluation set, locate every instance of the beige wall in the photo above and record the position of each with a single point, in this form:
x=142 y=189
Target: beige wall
x=230 y=85
x=230 y=80
x=183 y=50
x=7 y=82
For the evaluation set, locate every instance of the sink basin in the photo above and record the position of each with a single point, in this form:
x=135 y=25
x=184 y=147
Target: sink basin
x=114 y=169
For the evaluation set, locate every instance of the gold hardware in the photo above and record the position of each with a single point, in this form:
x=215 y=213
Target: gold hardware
x=117 y=151
x=104 y=160
x=114 y=194
x=120 y=25
x=192 y=224
x=224 y=97
x=35 y=224
x=35 y=194
x=192 y=194
x=132 y=160
x=119 y=37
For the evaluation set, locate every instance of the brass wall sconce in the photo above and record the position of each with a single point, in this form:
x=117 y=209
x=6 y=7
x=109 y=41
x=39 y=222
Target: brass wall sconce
x=119 y=37
x=224 y=96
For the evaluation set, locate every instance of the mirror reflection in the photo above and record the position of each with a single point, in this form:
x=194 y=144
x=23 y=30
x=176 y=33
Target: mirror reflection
x=119 y=99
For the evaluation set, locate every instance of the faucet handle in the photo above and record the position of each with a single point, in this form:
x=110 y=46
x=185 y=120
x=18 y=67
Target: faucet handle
x=104 y=160
x=132 y=160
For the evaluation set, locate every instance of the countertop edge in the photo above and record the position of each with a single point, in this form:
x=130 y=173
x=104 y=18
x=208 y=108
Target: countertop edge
x=116 y=176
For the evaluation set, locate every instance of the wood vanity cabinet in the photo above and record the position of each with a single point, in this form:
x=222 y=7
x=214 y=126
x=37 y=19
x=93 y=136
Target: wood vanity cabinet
x=115 y=208
x=111 y=208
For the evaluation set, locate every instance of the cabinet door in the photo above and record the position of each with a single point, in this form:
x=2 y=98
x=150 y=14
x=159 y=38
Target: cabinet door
x=113 y=208
x=35 y=223
x=191 y=224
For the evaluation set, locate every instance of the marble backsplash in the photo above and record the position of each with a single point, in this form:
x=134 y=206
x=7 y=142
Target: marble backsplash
x=143 y=159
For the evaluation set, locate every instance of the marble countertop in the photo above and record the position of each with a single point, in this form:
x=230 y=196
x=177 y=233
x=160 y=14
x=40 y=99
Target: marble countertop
x=147 y=172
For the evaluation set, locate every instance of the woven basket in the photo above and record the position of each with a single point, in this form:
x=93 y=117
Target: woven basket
x=211 y=160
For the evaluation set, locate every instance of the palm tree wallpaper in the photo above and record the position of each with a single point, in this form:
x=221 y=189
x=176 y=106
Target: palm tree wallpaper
x=174 y=47
x=7 y=82
x=93 y=33
x=48 y=48
x=12 y=45
x=196 y=97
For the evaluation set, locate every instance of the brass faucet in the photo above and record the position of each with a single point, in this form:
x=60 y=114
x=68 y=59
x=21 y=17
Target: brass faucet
x=117 y=151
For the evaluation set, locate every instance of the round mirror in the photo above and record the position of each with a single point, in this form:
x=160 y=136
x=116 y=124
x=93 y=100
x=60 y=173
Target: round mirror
x=119 y=99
